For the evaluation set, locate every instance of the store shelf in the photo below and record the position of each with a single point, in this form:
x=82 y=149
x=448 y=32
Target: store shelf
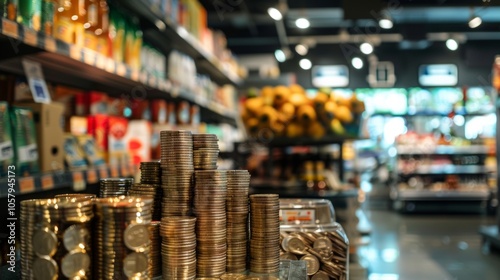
x=168 y=32
x=431 y=114
x=449 y=195
x=308 y=141
x=71 y=65
x=448 y=169
x=297 y=189
x=76 y=180
x=443 y=150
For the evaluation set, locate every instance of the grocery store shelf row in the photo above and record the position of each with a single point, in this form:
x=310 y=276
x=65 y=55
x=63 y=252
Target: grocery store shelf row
x=442 y=150
x=432 y=114
x=448 y=169
x=427 y=195
x=76 y=180
x=71 y=65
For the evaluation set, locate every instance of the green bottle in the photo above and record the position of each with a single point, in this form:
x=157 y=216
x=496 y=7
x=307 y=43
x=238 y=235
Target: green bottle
x=30 y=13
x=48 y=11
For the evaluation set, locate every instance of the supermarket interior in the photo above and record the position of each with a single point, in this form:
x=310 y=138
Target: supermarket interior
x=233 y=139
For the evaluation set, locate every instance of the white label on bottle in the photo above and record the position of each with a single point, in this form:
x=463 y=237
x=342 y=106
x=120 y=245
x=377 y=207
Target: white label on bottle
x=28 y=153
x=299 y=216
x=6 y=150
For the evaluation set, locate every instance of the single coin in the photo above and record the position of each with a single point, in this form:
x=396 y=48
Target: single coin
x=45 y=268
x=312 y=264
x=288 y=256
x=75 y=264
x=135 y=263
x=74 y=236
x=136 y=236
x=321 y=275
x=44 y=242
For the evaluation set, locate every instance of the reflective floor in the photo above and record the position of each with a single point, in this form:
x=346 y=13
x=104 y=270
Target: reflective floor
x=410 y=247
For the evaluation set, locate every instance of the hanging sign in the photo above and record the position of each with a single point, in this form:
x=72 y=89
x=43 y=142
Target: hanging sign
x=433 y=75
x=330 y=76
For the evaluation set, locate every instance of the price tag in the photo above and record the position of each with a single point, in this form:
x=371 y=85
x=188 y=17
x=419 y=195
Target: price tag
x=92 y=176
x=89 y=58
x=124 y=170
x=50 y=44
x=26 y=185
x=103 y=173
x=100 y=62
x=114 y=172
x=75 y=53
x=110 y=65
x=47 y=182
x=30 y=37
x=9 y=28
x=36 y=81
x=121 y=70
x=135 y=75
x=78 y=182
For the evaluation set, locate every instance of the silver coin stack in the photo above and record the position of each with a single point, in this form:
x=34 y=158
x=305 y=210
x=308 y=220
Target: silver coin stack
x=177 y=172
x=237 y=220
x=58 y=242
x=264 y=233
x=150 y=191
x=122 y=242
x=178 y=247
x=110 y=187
x=210 y=209
x=155 y=266
x=151 y=175
x=205 y=151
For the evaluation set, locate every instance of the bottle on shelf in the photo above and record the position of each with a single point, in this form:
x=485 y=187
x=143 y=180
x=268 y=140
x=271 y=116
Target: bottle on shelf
x=91 y=23
x=64 y=27
x=79 y=18
x=9 y=9
x=102 y=29
x=49 y=10
x=30 y=13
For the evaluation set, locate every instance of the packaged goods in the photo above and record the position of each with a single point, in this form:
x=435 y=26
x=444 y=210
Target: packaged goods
x=138 y=140
x=64 y=27
x=98 y=127
x=159 y=109
x=48 y=16
x=6 y=144
x=92 y=153
x=117 y=141
x=24 y=138
x=73 y=153
x=30 y=13
x=9 y=9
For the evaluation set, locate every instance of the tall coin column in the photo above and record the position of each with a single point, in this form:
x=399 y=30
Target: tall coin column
x=151 y=175
x=237 y=220
x=178 y=247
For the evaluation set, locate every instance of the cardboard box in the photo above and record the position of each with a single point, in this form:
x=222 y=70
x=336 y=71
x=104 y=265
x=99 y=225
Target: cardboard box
x=139 y=141
x=49 y=120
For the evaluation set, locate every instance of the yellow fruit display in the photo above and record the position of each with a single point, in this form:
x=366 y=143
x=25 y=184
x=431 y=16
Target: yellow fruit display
x=298 y=99
x=342 y=101
x=278 y=128
x=287 y=111
x=330 y=108
x=294 y=129
x=267 y=115
x=337 y=127
x=296 y=89
x=357 y=106
x=344 y=114
x=253 y=105
x=321 y=98
x=267 y=93
x=281 y=95
x=316 y=130
x=252 y=125
x=306 y=114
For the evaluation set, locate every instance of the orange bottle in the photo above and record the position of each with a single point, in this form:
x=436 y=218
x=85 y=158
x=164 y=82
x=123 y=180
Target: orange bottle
x=79 y=17
x=91 y=22
x=64 y=28
x=102 y=29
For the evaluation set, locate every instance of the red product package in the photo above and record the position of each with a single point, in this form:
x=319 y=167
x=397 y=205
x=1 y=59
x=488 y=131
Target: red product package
x=140 y=109
x=97 y=103
x=98 y=126
x=117 y=142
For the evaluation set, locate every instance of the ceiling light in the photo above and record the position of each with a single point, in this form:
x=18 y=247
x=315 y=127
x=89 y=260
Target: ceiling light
x=280 y=55
x=366 y=48
x=357 y=63
x=475 y=22
x=305 y=64
x=452 y=44
x=274 y=13
x=302 y=23
x=385 y=23
x=301 y=49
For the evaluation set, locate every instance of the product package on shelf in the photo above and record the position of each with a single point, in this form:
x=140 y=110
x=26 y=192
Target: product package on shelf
x=159 y=111
x=78 y=125
x=73 y=153
x=118 y=152
x=30 y=13
x=98 y=127
x=93 y=154
x=138 y=139
x=6 y=143
x=24 y=138
x=309 y=232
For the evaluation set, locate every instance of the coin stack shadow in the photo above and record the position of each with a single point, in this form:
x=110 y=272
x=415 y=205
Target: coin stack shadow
x=210 y=210
x=56 y=239
x=151 y=175
x=155 y=266
x=237 y=220
x=205 y=151
x=177 y=172
x=178 y=247
x=110 y=187
x=123 y=240
x=264 y=234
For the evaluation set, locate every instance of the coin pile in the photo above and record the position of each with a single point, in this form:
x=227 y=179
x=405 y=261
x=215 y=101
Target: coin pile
x=177 y=171
x=109 y=187
x=237 y=220
x=155 y=257
x=122 y=237
x=178 y=248
x=150 y=191
x=150 y=172
x=210 y=195
x=264 y=233
x=55 y=239
x=324 y=252
x=205 y=151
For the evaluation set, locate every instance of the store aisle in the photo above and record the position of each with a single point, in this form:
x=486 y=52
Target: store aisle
x=409 y=247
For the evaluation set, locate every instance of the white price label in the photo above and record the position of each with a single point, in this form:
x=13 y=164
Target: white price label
x=28 y=153
x=299 y=216
x=6 y=150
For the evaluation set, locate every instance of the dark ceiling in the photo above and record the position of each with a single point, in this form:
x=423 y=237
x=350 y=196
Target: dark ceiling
x=250 y=30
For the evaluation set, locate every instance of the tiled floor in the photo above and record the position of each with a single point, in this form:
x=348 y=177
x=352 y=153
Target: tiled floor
x=409 y=247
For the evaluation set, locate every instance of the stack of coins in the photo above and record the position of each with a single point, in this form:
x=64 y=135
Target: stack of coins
x=75 y=196
x=210 y=195
x=177 y=171
x=264 y=234
x=30 y=213
x=150 y=191
x=205 y=151
x=155 y=259
x=237 y=220
x=150 y=173
x=122 y=238
x=178 y=247
x=110 y=187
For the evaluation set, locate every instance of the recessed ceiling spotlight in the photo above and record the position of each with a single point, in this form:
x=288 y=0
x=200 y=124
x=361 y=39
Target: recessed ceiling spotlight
x=280 y=55
x=366 y=48
x=302 y=23
x=274 y=13
x=385 y=21
x=301 y=49
x=452 y=44
x=357 y=63
x=305 y=64
x=475 y=21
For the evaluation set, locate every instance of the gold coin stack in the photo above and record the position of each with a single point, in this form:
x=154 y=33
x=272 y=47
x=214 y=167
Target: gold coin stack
x=324 y=252
x=151 y=175
x=155 y=257
x=264 y=234
x=109 y=187
x=210 y=195
x=205 y=151
x=178 y=248
x=177 y=172
x=122 y=242
x=60 y=240
x=148 y=191
x=237 y=220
